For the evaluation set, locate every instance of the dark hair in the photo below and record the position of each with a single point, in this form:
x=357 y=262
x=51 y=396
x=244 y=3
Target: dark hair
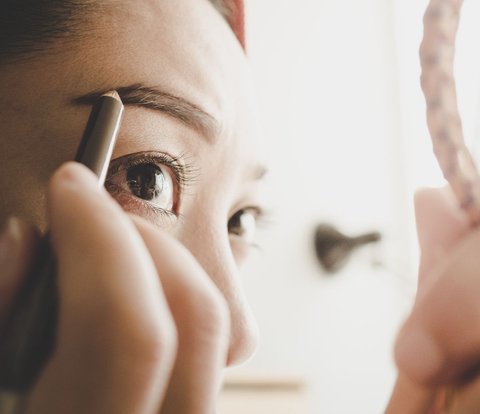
x=28 y=27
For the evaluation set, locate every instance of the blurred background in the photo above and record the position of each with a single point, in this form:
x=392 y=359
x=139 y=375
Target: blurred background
x=343 y=117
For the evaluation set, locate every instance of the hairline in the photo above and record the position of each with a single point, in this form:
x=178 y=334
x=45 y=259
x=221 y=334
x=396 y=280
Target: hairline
x=69 y=27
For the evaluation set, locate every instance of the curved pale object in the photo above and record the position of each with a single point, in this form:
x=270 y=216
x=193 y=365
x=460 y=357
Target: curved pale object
x=437 y=53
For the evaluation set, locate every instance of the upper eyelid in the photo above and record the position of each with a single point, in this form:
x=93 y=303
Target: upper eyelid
x=184 y=172
x=263 y=217
x=138 y=158
x=258 y=211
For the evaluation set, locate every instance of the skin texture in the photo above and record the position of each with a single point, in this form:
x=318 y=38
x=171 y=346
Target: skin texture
x=138 y=295
x=157 y=288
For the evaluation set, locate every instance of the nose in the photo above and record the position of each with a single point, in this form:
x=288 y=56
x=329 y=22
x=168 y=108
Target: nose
x=213 y=251
x=244 y=332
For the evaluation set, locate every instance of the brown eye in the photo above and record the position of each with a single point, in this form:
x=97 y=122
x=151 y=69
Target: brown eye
x=150 y=183
x=243 y=224
x=147 y=181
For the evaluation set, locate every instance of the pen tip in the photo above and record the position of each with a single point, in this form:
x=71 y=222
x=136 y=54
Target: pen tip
x=113 y=94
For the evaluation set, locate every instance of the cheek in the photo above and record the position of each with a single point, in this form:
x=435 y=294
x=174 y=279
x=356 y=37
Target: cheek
x=240 y=250
x=203 y=232
x=22 y=195
x=34 y=142
x=27 y=159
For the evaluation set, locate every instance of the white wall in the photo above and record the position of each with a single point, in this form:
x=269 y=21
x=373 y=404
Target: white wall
x=467 y=69
x=332 y=102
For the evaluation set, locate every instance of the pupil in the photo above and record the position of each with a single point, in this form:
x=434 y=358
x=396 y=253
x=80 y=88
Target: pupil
x=235 y=224
x=145 y=181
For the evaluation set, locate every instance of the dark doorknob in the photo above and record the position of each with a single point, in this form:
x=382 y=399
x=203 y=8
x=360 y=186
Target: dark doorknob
x=333 y=248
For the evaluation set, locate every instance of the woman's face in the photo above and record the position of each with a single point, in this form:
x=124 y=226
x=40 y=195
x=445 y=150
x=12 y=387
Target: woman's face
x=186 y=157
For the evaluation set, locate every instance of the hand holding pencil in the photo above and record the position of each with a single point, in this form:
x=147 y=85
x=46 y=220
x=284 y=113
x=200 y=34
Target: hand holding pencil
x=116 y=339
x=28 y=334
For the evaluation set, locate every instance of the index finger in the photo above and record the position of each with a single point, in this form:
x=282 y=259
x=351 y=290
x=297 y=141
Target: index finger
x=116 y=339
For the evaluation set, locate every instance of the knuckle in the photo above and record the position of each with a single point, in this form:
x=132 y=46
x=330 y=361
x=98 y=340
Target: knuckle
x=159 y=343
x=216 y=309
x=207 y=311
x=153 y=337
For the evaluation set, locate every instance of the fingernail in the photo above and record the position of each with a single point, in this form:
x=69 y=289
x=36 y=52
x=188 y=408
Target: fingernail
x=9 y=241
x=418 y=355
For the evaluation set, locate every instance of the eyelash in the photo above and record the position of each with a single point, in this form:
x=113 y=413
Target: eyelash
x=183 y=173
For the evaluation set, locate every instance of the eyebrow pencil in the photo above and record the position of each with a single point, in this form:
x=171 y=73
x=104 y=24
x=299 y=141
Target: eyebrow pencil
x=27 y=340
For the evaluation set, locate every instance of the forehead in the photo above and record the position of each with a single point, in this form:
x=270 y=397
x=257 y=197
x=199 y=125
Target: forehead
x=186 y=48
x=182 y=45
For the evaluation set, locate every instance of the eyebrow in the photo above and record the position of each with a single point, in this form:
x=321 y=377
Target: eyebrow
x=177 y=107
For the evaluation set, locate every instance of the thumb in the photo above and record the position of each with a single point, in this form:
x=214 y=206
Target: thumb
x=440 y=224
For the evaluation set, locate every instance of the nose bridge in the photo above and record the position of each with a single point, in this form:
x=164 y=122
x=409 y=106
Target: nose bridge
x=208 y=241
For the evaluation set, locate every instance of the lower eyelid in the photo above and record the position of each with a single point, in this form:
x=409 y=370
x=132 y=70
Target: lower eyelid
x=240 y=249
x=134 y=205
